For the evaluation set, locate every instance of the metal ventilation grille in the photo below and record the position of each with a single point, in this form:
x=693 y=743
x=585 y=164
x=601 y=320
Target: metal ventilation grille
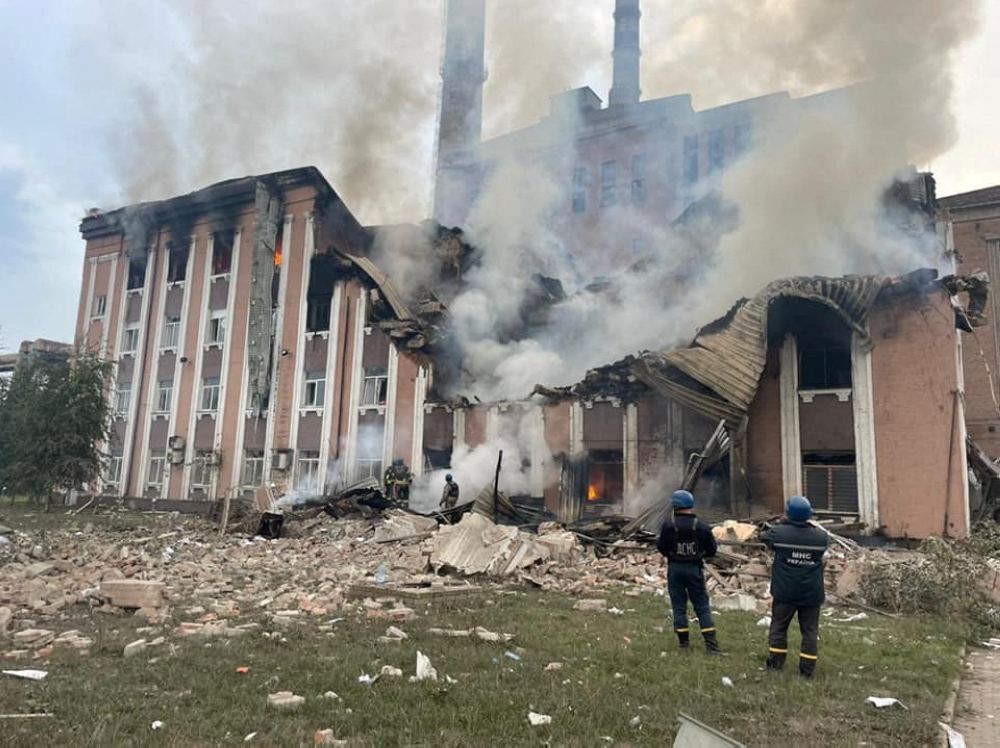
x=832 y=488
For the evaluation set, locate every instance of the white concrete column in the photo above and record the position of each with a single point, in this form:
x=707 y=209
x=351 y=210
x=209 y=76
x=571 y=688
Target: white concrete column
x=389 y=434
x=791 y=445
x=576 y=428
x=278 y=341
x=419 y=399
x=199 y=357
x=539 y=450
x=630 y=447
x=458 y=429
x=106 y=322
x=864 y=432
x=300 y=339
x=332 y=387
x=357 y=377
x=142 y=430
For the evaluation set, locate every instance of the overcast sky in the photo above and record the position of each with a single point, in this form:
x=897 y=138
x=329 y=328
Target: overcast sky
x=103 y=99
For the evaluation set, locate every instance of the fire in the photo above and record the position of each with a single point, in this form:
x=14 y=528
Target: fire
x=591 y=494
x=277 y=256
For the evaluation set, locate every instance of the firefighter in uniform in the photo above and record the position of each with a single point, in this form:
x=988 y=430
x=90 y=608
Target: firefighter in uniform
x=397 y=483
x=796 y=584
x=686 y=541
x=449 y=494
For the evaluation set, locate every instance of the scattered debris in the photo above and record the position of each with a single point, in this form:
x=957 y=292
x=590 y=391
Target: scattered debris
x=391 y=672
x=695 y=733
x=425 y=671
x=764 y=622
x=249 y=737
x=285 y=700
x=157 y=725
x=554 y=666
x=536 y=720
x=28 y=674
x=727 y=681
x=134 y=648
x=880 y=702
x=596 y=606
x=955 y=738
x=512 y=656
x=34 y=715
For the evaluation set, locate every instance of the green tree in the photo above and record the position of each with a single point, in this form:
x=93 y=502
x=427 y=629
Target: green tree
x=54 y=419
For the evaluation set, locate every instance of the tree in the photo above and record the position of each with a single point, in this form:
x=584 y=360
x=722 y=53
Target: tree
x=54 y=419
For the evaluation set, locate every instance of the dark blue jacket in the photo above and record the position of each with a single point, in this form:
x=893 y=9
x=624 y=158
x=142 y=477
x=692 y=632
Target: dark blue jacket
x=797 y=571
x=685 y=538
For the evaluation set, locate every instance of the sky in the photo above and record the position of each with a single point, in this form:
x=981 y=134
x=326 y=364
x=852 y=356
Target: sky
x=109 y=102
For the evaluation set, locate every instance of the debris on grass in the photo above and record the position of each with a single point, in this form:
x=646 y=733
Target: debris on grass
x=955 y=738
x=391 y=672
x=536 y=720
x=285 y=700
x=880 y=702
x=728 y=682
x=157 y=725
x=28 y=674
x=425 y=671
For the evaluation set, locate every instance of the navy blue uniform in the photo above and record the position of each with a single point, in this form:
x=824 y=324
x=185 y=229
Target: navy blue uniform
x=796 y=589
x=686 y=542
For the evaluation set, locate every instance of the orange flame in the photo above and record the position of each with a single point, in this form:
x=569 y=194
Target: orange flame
x=591 y=494
x=277 y=256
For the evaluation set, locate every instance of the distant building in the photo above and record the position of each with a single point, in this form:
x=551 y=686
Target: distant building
x=46 y=351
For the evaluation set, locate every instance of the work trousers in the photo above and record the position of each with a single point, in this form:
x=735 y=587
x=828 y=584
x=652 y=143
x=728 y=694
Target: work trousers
x=777 y=638
x=686 y=581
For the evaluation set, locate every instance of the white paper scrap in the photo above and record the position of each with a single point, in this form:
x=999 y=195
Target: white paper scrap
x=539 y=719
x=28 y=674
x=883 y=701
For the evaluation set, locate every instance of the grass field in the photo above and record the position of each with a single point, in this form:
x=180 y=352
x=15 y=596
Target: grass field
x=616 y=668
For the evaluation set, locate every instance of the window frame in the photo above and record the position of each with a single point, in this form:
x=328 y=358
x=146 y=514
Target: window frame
x=212 y=388
x=171 y=329
x=123 y=388
x=310 y=464
x=130 y=332
x=157 y=462
x=314 y=390
x=164 y=396
x=100 y=306
x=215 y=333
x=378 y=378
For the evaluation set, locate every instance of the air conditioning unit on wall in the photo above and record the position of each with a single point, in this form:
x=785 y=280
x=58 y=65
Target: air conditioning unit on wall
x=176 y=454
x=213 y=459
x=281 y=459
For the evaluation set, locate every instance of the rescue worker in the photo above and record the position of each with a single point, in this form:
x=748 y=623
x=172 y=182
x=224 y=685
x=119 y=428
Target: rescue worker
x=449 y=494
x=686 y=541
x=796 y=584
x=397 y=483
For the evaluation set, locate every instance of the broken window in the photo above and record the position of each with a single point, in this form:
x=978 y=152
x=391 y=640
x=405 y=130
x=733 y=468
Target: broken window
x=136 y=272
x=113 y=468
x=201 y=474
x=210 y=388
x=606 y=473
x=741 y=138
x=222 y=252
x=639 y=178
x=827 y=368
x=307 y=474
x=376 y=386
x=691 y=159
x=130 y=339
x=609 y=176
x=216 y=327
x=318 y=314
x=314 y=393
x=123 y=397
x=580 y=189
x=164 y=395
x=177 y=262
x=716 y=151
x=253 y=467
x=830 y=481
x=157 y=467
x=100 y=305
x=171 y=331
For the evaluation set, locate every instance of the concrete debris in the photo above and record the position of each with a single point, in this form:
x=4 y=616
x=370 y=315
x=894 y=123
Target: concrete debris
x=554 y=666
x=739 y=601
x=394 y=633
x=880 y=702
x=425 y=671
x=734 y=531
x=399 y=525
x=285 y=700
x=592 y=606
x=133 y=594
x=134 y=648
x=325 y=737
x=27 y=674
x=391 y=672
x=536 y=720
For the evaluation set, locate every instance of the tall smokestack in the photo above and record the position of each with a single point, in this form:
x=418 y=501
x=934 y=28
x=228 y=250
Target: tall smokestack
x=460 y=130
x=625 y=87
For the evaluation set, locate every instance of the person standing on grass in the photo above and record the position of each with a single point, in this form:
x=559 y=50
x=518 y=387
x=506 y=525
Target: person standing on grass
x=686 y=541
x=796 y=584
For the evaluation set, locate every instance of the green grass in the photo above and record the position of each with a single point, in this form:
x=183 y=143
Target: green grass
x=606 y=681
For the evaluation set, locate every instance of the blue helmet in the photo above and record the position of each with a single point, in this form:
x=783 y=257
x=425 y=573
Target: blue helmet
x=799 y=509
x=447 y=478
x=682 y=500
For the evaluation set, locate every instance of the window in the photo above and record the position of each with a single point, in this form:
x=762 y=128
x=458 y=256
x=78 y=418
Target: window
x=307 y=476
x=741 y=138
x=314 y=394
x=130 y=339
x=375 y=387
x=691 y=159
x=609 y=175
x=824 y=368
x=222 y=252
x=638 y=178
x=136 y=272
x=123 y=398
x=201 y=475
x=171 y=332
x=157 y=468
x=113 y=469
x=164 y=395
x=318 y=313
x=100 y=305
x=606 y=472
x=716 y=151
x=216 y=328
x=209 y=394
x=580 y=189
x=177 y=262
x=830 y=481
x=253 y=467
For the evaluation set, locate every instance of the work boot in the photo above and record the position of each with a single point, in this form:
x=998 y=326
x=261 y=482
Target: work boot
x=807 y=668
x=712 y=643
x=684 y=639
x=775 y=661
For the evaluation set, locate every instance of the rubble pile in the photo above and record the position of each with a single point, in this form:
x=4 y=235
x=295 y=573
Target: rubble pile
x=177 y=572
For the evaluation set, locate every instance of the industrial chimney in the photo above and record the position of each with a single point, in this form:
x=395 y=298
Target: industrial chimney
x=463 y=73
x=625 y=86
